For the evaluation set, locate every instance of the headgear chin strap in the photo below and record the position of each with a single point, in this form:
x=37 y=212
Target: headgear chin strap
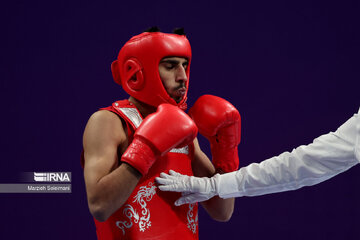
x=137 y=66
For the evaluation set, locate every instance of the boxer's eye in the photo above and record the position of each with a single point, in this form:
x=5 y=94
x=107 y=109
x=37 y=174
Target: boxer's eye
x=169 y=66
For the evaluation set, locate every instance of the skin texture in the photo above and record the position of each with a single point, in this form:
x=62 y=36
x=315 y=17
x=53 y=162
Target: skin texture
x=108 y=183
x=172 y=72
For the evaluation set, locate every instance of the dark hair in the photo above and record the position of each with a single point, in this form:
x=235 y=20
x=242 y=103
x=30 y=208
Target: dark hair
x=179 y=31
x=153 y=29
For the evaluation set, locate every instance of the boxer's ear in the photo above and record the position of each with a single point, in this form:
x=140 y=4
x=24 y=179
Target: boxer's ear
x=134 y=77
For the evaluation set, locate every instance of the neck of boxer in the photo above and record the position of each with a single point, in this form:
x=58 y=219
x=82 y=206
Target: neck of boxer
x=144 y=109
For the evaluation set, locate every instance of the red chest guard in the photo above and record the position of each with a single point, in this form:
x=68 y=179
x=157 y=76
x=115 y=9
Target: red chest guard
x=150 y=213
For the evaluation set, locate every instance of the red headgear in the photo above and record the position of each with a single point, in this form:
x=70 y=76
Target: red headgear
x=141 y=57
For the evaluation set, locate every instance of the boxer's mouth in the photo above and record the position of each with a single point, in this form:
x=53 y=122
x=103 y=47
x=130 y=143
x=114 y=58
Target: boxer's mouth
x=180 y=92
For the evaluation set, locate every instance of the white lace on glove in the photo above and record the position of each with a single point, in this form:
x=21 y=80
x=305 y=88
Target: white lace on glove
x=194 y=189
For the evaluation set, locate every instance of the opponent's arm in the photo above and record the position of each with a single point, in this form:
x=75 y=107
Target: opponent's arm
x=108 y=185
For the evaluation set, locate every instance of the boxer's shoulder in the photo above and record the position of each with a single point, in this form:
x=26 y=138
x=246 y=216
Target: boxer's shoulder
x=105 y=125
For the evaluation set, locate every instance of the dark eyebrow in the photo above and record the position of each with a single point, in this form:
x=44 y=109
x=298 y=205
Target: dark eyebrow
x=174 y=62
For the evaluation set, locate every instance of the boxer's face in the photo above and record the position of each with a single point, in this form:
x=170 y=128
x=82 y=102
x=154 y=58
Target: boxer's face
x=172 y=72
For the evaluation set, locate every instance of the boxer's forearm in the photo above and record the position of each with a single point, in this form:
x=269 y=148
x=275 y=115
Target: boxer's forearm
x=111 y=191
x=219 y=209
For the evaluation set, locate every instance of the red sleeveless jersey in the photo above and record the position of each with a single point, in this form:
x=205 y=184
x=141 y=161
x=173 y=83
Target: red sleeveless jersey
x=150 y=213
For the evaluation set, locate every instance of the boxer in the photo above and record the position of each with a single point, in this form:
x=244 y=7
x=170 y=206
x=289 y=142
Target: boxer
x=129 y=143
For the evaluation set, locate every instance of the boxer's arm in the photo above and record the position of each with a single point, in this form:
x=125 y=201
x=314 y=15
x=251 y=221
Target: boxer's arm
x=108 y=185
x=219 y=209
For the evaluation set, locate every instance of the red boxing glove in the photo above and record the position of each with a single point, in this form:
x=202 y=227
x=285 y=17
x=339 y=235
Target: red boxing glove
x=161 y=131
x=220 y=122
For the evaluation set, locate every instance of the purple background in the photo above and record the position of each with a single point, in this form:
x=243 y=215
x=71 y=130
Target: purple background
x=292 y=70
